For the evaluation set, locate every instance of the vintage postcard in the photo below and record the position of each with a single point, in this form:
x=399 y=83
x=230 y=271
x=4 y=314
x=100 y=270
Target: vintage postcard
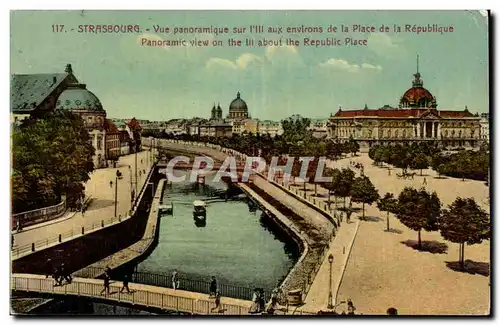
x=221 y=163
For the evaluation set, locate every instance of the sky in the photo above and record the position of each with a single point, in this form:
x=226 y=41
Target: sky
x=161 y=83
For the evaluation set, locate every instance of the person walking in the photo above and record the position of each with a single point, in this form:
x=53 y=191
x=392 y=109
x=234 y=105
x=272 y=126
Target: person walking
x=63 y=275
x=217 y=302
x=262 y=301
x=213 y=287
x=254 y=308
x=56 y=275
x=106 y=284
x=111 y=184
x=425 y=181
x=175 y=280
x=350 y=307
x=125 y=283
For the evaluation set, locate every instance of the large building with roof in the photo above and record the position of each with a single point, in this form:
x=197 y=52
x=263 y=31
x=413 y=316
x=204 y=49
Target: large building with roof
x=416 y=119
x=33 y=95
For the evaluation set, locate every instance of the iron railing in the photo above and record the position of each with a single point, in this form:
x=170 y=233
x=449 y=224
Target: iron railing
x=32 y=217
x=185 y=283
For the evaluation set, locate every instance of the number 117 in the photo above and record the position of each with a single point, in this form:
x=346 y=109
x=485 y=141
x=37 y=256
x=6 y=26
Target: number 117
x=57 y=28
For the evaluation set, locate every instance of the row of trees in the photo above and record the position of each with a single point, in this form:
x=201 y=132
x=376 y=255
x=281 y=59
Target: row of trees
x=296 y=141
x=462 y=164
x=52 y=158
x=462 y=222
x=414 y=156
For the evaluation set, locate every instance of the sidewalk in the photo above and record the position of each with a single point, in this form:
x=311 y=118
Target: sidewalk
x=340 y=248
x=102 y=206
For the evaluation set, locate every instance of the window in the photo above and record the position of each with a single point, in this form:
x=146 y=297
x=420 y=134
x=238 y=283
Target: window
x=99 y=141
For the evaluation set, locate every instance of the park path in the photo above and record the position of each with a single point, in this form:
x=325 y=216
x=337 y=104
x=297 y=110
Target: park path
x=385 y=271
x=102 y=194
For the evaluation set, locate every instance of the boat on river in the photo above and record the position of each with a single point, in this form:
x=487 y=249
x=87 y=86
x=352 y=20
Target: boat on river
x=199 y=210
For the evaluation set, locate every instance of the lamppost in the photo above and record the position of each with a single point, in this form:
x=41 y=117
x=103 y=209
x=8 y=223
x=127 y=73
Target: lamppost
x=330 y=298
x=135 y=149
x=118 y=176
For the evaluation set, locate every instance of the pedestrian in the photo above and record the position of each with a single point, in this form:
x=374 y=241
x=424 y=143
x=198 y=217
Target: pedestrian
x=217 y=301
x=262 y=301
x=392 y=311
x=48 y=268
x=175 y=280
x=213 y=287
x=254 y=308
x=64 y=275
x=110 y=183
x=106 y=284
x=389 y=170
x=83 y=211
x=125 y=283
x=425 y=181
x=350 y=307
x=57 y=277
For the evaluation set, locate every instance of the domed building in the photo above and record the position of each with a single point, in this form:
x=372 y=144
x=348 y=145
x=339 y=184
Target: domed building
x=77 y=99
x=238 y=109
x=417 y=96
x=416 y=119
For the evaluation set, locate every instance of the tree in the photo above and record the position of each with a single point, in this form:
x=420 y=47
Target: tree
x=295 y=128
x=352 y=146
x=363 y=191
x=388 y=204
x=52 y=157
x=332 y=186
x=417 y=210
x=420 y=162
x=345 y=183
x=464 y=222
x=378 y=157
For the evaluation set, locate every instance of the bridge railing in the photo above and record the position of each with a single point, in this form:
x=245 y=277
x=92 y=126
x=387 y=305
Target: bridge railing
x=144 y=297
x=185 y=283
x=32 y=217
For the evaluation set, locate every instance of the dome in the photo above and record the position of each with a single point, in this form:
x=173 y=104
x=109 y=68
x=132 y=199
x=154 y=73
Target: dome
x=418 y=96
x=238 y=104
x=77 y=97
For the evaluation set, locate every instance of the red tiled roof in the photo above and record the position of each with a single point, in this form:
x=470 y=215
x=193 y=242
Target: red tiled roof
x=134 y=125
x=455 y=114
x=415 y=94
x=414 y=112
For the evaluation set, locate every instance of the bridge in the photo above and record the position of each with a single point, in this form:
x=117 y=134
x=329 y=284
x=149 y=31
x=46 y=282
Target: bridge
x=140 y=294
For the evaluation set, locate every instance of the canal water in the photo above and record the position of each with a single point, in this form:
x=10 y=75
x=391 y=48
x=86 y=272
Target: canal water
x=239 y=245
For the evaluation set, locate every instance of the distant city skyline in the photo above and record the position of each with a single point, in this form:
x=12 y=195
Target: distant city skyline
x=160 y=84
